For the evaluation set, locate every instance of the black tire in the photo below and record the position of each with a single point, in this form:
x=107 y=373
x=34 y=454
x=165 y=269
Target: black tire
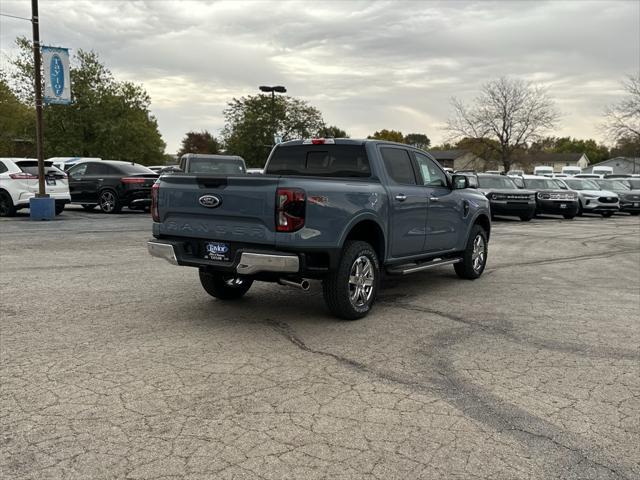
x=59 y=208
x=224 y=286
x=473 y=260
x=527 y=218
x=7 y=208
x=634 y=213
x=569 y=216
x=580 y=210
x=88 y=207
x=346 y=292
x=606 y=214
x=108 y=201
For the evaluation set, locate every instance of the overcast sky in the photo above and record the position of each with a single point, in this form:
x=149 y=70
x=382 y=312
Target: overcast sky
x=366 y=65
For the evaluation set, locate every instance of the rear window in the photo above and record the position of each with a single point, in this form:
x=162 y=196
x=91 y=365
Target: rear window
x=133 y=168
x=31 y=166
x=215 y=166
x=320 y=161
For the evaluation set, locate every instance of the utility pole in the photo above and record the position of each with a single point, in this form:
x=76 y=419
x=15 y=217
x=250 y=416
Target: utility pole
x=273 y=90
x=38 y=89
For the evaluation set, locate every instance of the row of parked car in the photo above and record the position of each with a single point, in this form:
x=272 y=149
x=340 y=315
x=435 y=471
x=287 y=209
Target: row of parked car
x=112 y=185
x=526 y=196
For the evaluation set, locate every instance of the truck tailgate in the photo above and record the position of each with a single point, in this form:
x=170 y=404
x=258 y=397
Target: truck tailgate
x=245 y=212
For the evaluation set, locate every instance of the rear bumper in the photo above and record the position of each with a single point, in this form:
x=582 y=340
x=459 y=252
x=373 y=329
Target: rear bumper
x=61 y=198
x=249 y=263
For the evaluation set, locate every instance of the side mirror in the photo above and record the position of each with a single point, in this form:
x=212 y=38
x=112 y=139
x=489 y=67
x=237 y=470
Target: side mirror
x=463 y=181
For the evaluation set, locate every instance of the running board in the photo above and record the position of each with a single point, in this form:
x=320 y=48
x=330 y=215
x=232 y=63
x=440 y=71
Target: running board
x=406 y=269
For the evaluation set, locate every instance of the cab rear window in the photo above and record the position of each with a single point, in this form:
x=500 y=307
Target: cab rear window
x=320 y=161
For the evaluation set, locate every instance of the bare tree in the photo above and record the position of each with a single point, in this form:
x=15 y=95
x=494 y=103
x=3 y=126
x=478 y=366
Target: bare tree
x=506 y=116
x=623 y=118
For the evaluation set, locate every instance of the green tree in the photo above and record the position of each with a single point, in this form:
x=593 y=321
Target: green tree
x=418 y=140
x=596 y=152
x=108 y=118
x=628 y=146
x=199 y=142
x=250 y=122
x=389 y=135
x=17 y=124
x=332 y=131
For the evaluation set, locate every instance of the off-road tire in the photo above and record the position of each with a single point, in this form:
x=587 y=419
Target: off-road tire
x=108 y=201
x=224 y=286
x=336 y=287
x=465 y=268
x=7 y=208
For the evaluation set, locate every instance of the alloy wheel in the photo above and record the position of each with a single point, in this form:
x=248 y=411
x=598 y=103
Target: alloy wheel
x=479 y=253
x=107 y=201
x=361 y=279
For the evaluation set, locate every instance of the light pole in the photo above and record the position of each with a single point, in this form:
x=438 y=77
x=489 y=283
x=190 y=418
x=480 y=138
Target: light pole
x=273 y=90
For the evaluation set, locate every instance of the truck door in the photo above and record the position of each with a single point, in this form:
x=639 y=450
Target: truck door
x=408 y=203
x=445 y=209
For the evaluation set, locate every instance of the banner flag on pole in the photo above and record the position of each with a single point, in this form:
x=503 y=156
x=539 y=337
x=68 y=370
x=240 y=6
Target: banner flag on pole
x=57 y=81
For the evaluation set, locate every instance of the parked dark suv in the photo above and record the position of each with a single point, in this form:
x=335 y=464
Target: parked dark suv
x=506 y=198
x=111 y=185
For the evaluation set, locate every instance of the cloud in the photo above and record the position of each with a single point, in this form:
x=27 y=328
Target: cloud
x=365 y=65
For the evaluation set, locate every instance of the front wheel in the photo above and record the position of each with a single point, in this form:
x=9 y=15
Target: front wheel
x=569 y=217
x=351 y=290
x=606 y=214
x=634 y=213
x=224 y=286
x=7 y=209
x=528 y=217
x=474 y=257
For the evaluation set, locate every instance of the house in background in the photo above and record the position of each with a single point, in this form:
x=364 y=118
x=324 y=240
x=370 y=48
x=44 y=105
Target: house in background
x=557 y=160
x=620 y=165
x=459 y=159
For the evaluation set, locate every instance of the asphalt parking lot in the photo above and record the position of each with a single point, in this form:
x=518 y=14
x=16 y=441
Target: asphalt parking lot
x=118 y=365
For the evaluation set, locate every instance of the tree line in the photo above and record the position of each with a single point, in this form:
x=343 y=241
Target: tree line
x=109 y=118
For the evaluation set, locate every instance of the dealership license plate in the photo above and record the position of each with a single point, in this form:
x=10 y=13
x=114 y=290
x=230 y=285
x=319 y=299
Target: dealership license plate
x=220 y=252
x=51 y=181
x=636 y=204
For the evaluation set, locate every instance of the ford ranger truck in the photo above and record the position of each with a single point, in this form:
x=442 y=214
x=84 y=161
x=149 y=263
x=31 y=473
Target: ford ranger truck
x=342 y=211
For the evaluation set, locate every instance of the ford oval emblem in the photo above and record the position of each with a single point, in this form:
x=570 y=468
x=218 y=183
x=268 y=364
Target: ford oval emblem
x=210 y=201
x=57 y=75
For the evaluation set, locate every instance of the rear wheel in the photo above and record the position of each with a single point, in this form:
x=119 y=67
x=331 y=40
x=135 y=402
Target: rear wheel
x=88 y=207
x=7 y=209
x=224 y=286
x=606 y=214
x=351 y=290
x=474 y=257
x=59 y=208
x=108 y=201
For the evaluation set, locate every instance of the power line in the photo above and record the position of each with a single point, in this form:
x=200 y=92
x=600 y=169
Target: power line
x=14 y=16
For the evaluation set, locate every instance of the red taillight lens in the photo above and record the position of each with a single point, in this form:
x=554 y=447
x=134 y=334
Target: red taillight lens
x=317 y=141
x=23 y=176
x=290 y=209
x=155 y=191
x=133 y=180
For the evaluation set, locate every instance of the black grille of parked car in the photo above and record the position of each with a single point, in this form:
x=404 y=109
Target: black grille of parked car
x=607 y=199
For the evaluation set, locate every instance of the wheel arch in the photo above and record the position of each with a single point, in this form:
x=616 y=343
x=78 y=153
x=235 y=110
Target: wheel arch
x=483 y=220
x=366 y=228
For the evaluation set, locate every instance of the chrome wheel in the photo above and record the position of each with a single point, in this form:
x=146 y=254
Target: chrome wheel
x=479 y=253
x=107 y=201
x=361 y=279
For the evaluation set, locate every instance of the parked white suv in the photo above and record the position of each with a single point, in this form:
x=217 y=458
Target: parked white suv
x=19 y=183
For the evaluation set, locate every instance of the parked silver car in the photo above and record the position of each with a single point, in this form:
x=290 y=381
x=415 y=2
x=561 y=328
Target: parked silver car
x=592 y=198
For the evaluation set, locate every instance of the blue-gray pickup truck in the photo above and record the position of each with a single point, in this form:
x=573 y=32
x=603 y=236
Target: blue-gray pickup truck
x=338 y=210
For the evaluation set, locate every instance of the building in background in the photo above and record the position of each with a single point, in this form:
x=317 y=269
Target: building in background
x=459 y=159
x=620 y=165
x=558 y=160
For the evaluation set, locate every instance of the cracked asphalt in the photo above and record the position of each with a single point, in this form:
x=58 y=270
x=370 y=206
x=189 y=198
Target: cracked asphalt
x=118 y=365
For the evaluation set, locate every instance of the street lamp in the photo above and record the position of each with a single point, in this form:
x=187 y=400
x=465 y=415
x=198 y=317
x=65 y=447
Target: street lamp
x=273 y=90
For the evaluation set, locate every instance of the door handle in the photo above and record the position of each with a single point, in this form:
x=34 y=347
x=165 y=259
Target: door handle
x=401 y=197
x=101 y=179
x=434 y=199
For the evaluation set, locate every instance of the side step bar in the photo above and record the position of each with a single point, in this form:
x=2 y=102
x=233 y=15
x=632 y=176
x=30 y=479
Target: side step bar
x=406 y=269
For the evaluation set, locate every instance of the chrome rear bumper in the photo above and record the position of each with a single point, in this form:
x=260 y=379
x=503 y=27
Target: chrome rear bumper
x=250 y=262
x=163 y=250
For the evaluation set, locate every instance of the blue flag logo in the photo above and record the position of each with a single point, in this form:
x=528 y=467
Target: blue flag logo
x=56 y=75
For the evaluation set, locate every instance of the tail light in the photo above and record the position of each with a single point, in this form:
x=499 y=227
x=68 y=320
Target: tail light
x=319 y=141
x=23 y=176
x=133 y=180
x=155 y=191
x=290 y=209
